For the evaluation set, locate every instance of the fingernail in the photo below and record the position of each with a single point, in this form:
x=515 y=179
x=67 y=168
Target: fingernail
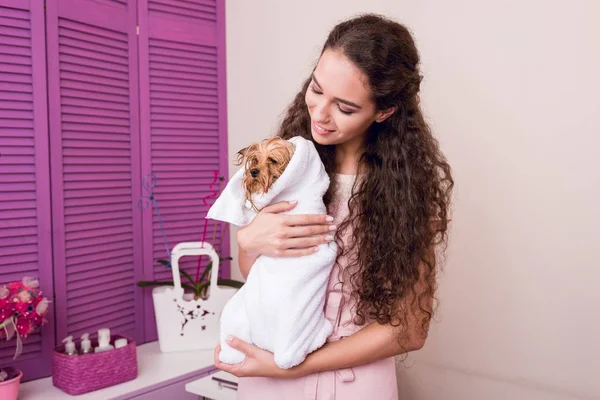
x=293 y=201
x=332 y=227
x=316 y=249
x=329 y=218
x=328 y=238
x=229 y=338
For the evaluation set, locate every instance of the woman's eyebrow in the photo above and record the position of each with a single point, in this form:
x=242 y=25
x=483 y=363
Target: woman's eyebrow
x=337 y=98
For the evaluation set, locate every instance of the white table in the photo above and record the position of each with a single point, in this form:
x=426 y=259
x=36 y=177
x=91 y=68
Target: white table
x=208 y=388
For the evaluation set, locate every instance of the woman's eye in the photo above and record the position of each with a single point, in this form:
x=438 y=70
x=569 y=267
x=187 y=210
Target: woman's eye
x=314 y=90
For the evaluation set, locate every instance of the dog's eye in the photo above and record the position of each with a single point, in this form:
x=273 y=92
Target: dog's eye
x=272 y=161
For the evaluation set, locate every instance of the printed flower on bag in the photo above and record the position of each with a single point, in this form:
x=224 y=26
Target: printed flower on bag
x=191 y=314
x=22 y=310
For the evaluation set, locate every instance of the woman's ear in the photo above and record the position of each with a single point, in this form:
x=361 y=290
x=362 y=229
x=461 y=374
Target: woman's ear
x=385 y=114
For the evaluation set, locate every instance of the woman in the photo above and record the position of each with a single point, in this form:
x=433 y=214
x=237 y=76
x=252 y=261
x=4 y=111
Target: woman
x=389 y=196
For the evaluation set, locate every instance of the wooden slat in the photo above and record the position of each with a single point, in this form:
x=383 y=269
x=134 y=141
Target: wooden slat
x=96 y=182
x=25 y=248
x=203 y=10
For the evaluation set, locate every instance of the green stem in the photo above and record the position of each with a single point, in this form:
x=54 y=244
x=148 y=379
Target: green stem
x=188 y=276
x=166 y=283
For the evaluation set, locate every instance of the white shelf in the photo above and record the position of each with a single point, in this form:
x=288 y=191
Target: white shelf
x=155 y=369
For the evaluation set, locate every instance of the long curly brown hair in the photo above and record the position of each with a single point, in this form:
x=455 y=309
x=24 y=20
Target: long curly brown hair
x=399 y=209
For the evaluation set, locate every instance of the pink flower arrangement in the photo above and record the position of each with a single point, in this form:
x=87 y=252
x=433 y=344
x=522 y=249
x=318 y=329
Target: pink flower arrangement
x=22 y=310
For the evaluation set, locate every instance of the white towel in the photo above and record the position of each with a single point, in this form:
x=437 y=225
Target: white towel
x=280 y=308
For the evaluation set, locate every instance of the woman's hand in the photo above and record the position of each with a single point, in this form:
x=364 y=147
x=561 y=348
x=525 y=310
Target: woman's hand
x=258 y=362
x=284 y=235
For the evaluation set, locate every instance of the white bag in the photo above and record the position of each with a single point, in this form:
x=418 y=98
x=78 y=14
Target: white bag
x=182 y=322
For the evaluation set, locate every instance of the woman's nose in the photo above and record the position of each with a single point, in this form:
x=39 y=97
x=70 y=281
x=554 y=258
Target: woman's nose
x=320 y=113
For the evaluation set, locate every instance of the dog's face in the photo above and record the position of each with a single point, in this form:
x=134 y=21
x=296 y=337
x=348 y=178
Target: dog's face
x=264 y=162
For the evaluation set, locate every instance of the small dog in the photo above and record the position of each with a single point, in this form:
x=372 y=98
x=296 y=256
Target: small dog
x=264 y=162
x=280 y=308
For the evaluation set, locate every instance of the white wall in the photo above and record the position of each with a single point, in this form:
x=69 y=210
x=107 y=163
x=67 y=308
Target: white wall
x=512 y=90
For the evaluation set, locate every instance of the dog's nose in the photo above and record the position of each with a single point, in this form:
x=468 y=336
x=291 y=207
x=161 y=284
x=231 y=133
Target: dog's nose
x=254 y=172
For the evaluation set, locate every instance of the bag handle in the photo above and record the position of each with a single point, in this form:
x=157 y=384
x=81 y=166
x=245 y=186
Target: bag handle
x=194 y=249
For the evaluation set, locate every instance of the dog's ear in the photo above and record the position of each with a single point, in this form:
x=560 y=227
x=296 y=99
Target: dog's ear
x=240 y=156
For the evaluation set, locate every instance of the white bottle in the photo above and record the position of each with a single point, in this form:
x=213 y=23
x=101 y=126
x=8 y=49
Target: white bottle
x=103 y=341
x=86 y=344
x=69 y=346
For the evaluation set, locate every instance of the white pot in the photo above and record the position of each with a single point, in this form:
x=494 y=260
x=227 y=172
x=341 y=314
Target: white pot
x=182 y=322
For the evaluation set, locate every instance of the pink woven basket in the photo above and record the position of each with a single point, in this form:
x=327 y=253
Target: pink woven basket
x=85 y=373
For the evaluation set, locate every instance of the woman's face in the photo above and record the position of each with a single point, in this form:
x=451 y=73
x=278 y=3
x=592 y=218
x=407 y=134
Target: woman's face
x=339 y=101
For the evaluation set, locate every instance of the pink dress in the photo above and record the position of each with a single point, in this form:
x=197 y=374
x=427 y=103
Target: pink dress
x=376 y=380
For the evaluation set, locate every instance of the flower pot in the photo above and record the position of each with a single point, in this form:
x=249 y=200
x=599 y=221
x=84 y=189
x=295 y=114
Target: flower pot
x=9 y=389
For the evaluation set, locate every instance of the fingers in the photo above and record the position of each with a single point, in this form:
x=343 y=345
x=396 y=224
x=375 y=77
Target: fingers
x=240 y=345
x=301 y=219
x=308 y=219
x=298 y=247
x=302 y=243
x=232 y=369
x=280 y=207
x=311 y=230
x=217 y=362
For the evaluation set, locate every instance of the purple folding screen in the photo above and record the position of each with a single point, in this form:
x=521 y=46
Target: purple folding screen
x=133 y=87
x=183 y=126
x=94 y=136
x=25 y=231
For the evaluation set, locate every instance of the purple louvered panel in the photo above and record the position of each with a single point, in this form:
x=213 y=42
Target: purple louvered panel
x=187 y=9
x=93 y=92
x=121 y=3
x=183 y=126
x=184 y=138
x=25 y=234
